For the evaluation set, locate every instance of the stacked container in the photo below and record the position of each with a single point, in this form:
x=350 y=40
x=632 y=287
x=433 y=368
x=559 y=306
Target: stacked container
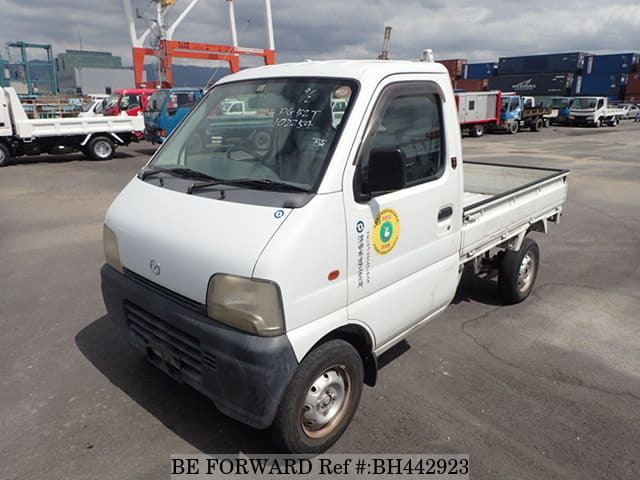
x=479 y=70
x=539 y=75
x=633 y=88
x=607 y=75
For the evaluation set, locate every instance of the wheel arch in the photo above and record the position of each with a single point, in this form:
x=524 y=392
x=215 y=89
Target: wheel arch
x=361 y=340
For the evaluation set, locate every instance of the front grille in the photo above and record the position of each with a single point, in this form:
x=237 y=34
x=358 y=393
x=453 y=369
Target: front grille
x=165 y=292
x=174 y=350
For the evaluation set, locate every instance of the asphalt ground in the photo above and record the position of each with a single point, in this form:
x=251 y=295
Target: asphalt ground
x=547 y=389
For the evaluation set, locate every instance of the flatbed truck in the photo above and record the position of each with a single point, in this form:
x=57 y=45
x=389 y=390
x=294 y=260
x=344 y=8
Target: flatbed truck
x=271 y=281
x=96 y=137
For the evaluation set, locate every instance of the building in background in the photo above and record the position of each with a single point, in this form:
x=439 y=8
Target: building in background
x=88 y=72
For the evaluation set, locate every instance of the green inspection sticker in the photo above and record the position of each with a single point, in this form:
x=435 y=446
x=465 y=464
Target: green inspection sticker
x=386 y=231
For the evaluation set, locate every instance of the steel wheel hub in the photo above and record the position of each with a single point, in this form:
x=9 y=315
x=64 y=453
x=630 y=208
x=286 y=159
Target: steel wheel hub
x=324 y=401
x=526 y=272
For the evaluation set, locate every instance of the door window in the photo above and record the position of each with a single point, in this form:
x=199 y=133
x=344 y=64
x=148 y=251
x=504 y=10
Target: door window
x=411 y=121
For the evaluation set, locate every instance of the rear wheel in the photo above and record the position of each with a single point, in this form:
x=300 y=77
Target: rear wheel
x=537 y=125
x=5 y=155
x=477 y=130
x=321 y=399
x=518 y=272
x=101 y=148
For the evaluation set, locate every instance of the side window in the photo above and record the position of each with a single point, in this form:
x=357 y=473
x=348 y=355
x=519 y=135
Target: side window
x=411 y=122
x=472 y=104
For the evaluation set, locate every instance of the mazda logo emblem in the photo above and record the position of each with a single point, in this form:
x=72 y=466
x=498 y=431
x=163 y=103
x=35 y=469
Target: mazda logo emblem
x=155 y=267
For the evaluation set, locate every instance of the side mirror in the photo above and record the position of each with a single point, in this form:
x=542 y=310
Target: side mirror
x=387 y=170
x=172 y=110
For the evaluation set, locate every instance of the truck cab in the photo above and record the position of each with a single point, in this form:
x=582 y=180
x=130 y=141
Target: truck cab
x=166 y=109
x=594 y=112
x=131 y=101
x=560 y=108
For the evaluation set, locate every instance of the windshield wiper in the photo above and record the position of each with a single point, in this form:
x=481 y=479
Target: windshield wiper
x=261 y=183
x=177 y=171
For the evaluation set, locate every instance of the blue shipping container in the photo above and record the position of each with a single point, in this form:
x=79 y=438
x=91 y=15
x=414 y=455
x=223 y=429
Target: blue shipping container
x=600 y=85
x=614 y=63
x=479 y=70
x=549 y=63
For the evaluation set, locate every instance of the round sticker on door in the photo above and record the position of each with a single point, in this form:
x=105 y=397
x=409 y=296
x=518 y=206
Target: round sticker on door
x=386 y=231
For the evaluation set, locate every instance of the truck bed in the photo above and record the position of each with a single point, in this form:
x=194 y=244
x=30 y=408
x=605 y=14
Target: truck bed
x=501 y=202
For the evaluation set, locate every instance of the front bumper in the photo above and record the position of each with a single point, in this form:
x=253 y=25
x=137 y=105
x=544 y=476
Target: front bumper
x=244 y=375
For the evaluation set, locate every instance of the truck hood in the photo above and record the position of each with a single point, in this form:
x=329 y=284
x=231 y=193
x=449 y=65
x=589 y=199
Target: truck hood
x=179 y=241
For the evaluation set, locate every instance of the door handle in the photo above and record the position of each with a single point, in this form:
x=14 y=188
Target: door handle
x=445 y=213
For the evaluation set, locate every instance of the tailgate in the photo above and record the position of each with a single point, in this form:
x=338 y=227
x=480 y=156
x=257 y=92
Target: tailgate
x=502 y=201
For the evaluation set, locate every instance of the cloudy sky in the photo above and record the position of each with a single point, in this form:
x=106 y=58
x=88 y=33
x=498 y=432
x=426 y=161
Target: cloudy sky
x=476 y=30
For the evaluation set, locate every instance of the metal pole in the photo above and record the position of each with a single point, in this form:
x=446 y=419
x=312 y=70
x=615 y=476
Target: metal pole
x=232 y=22
x=269 y=22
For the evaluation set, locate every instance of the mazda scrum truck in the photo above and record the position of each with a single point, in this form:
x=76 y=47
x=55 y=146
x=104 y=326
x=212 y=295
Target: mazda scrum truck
x=271 y=278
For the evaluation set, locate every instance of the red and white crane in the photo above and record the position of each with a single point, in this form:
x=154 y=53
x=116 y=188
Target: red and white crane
x=166 y=49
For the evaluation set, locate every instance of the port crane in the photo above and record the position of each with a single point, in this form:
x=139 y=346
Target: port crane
x=166 y=48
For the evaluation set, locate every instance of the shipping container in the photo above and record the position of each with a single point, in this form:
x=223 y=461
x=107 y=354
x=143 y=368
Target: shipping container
x=601 y=85
x=633 y=98
x=614 y=63
x=549 y=63
x=479 y=70
x=454 y=66
x=633 y=84
x=556 y=84
x=471 y=84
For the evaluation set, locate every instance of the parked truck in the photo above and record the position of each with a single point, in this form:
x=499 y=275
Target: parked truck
x=166 y=109
x=520 y=112
x=96 y=137
x=594 y=111
x=479 y=111
x=273 y=281
x=560 y=108
x=129 y=101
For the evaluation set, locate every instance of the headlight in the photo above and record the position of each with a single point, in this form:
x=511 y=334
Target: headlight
x=111 y=252
x=251 y=305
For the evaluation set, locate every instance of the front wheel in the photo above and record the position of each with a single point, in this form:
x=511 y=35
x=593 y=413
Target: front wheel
x=321 y=399
x=613 y=122
x=513 y=128
x=518 y=272
x=101 y=148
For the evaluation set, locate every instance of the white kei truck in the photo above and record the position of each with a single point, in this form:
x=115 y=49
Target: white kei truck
x=96 y=137
x=272 y=279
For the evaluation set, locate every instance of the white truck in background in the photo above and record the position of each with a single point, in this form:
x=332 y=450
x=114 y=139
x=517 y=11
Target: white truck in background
x=594 y=111
x=271 y=279
x=96 y=137
x=479 y=111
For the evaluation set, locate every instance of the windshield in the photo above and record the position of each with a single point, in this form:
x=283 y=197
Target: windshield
x=112 y=101
x=284 y=134
x=156 y=101
x=559 y=102
x=584 y=103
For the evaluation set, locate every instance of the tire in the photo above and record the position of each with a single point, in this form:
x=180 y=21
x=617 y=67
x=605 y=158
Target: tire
x=518 y=272
x=261 y=140
x=537 y=125
x=320 y=400
x=101 y=148
x=5 y=156
x=598 y=123
x=513 y=128
x=476 y=130
x=613 y=122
